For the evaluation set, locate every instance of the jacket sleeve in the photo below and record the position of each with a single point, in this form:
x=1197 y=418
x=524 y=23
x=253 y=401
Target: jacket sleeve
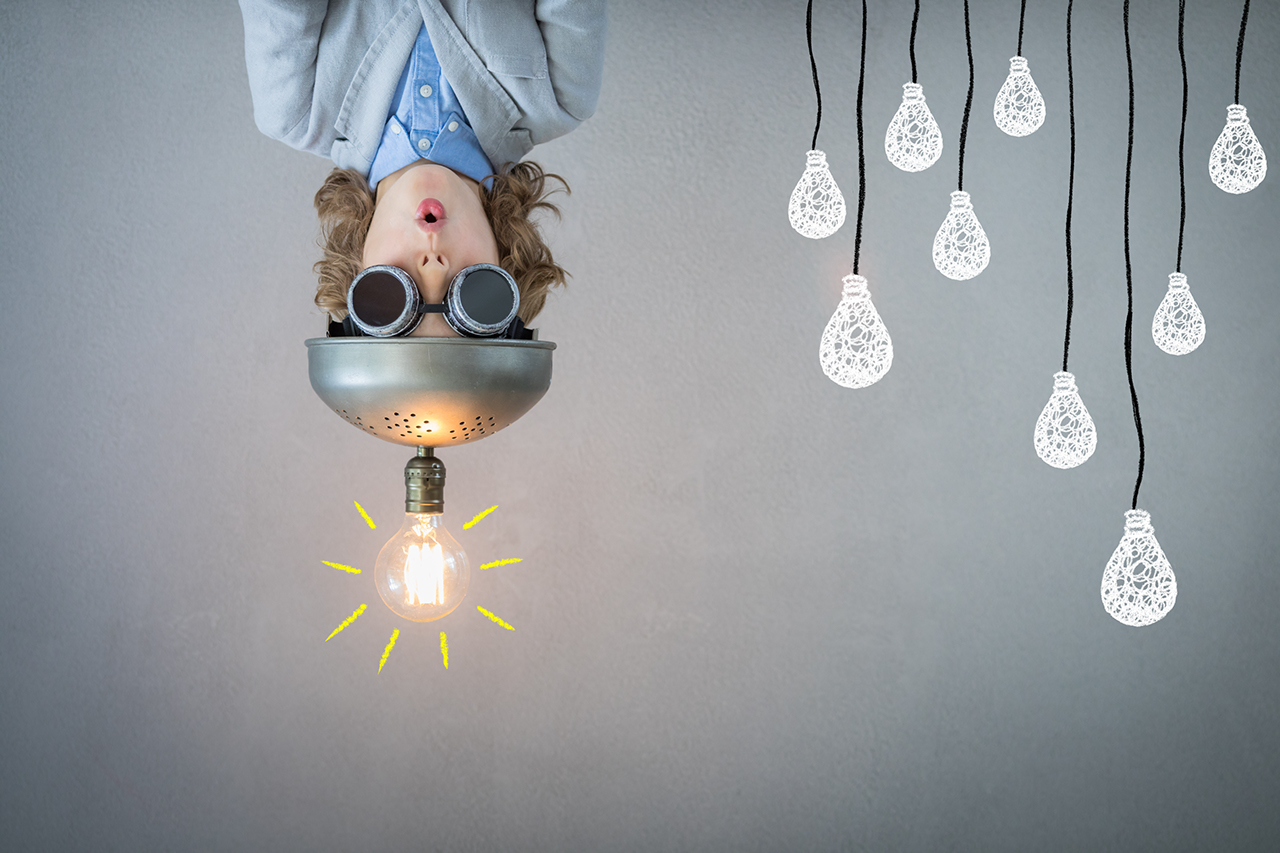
x=573 y=32
x=281 y=43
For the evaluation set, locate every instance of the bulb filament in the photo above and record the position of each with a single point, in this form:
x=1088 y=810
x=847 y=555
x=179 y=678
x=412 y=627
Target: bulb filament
x=424 y=574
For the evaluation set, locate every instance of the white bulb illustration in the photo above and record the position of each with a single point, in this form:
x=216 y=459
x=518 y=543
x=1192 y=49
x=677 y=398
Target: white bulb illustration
x=961 y=249
x=856 y=350
x=1138 y=586
x=1019 y=105
x=1237 y=162
x=817 y=207
x=1065 y=436
x=913 y=141
x=1178 y=327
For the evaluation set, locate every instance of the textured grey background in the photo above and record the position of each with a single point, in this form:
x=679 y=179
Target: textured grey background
x=755 y=611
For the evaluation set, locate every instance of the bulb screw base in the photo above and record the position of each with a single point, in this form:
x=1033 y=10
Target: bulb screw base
x=424 y=483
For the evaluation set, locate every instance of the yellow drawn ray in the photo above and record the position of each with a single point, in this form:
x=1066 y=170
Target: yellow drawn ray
x=350 y=569
x=505 y=562
x=469 y=524
x=444 y=649
x=347 y=621
x=387 y=651
x=494 y=618
x=367 y=519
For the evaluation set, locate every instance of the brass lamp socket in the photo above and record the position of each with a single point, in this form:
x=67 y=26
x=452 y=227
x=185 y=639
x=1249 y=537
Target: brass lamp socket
x=424 y=483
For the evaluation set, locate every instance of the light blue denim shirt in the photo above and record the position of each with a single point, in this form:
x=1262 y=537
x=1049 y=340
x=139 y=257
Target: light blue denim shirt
x=427 y=122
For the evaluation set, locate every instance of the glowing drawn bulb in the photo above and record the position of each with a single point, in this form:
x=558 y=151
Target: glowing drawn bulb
x=1138 y=586
x=1178 y=327
x=817 y=207
x=1065 y=436
x=1237 y=162
x=961 y=249
x=422 y=573
x=913 y=141
x=1019 y=105
x=855 y=351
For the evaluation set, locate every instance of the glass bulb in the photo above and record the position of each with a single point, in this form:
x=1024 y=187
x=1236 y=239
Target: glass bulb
x=1019 y=105
x=1138 y=586
x=1065 y=436
x=961 y=249
x=1237 y=162
x=913 y=141
x=856 y=350
x=1178 y=327
x=817 y=207
x=422 y=572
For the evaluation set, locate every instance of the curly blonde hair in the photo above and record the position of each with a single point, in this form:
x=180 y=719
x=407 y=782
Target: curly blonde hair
x=345 y=206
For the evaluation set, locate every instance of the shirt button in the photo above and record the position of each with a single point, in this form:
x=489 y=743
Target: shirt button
x=395 y=128
x=425 y=91
x=453 y=125
x=424 y=144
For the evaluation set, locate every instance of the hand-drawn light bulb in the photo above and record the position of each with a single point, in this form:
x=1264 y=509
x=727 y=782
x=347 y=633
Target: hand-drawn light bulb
x=855 y=350
x=1138 y=586
x=422 y=572
x=913 y=141
x=1178 y=327
x=961 y=249
x=1237 y=162
x=1065 y=436
x=817 y=207
x=1019 y=106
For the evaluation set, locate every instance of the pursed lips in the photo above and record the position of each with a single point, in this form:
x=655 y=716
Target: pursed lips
x=431 y=216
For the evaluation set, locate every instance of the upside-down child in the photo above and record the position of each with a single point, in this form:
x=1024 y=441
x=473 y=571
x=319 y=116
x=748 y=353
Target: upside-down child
x=426 y=108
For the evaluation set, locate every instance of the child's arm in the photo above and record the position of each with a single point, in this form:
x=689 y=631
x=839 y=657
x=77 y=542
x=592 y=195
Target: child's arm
x=573 y=32
x=281 y=42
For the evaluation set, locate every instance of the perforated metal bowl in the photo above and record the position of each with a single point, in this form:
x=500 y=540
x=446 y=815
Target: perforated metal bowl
x=429 y=392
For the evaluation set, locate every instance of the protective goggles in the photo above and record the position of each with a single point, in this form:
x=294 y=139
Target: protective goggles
x=481 y=302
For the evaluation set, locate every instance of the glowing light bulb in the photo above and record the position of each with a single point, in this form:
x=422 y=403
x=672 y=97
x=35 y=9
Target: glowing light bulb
x=961 y=249
x=913 y=141
x=422 y=573
x=1237 y=162
x=856 y=350
x=1178 y=327
x=1138 y=586
x=1019 y=105
x=1065 y=436
x=817 y=207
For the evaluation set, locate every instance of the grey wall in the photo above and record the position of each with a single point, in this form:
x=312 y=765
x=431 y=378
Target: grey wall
x=755 y=611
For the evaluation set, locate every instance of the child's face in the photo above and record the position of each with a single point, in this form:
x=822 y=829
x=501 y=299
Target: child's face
x=430 y=222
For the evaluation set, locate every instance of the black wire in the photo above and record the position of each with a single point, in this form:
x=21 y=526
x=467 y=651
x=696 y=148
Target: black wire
x=1244 y=19
x=968 y=104
x=1182 y=135
x=1071 y=189
x=862 y=163
x=1021 y=20
x=808 y=34
x=1128 y=270
x=915 y=19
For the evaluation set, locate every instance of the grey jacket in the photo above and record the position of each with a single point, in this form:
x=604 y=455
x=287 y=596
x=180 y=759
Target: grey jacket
x=323 y=74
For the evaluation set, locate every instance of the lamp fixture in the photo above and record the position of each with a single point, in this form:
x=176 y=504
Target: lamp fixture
x=427 y=393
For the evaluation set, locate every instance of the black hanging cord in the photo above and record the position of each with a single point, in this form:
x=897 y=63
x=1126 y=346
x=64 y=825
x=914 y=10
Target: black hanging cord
x=808 y=34
x=915 y=19
x=1128 y=269
x=862 y=163
x=1071 y=189
x=968 y=103
x=1022 y=18
x=1182 y=135
x=1244 y=19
